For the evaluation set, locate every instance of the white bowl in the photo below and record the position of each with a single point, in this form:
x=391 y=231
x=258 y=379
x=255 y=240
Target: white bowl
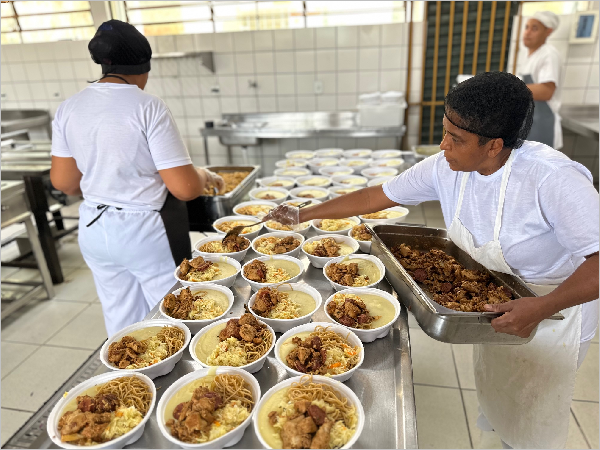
x=300 y=154
x=294 y=193
x=251 y=203
x=228 y=439
x=283 y=325
x=425 y=151
x=250 y=236
x=334 y=190
x=256 y=191
x=284 y=172
x=128 y=438
x=378 y=181
x=256 y=286
x=155 y=370
x=317 y=222
x=279 y=234
x=238 y=256
x=325 y=180
x=378 y=172
x=350 y=336
x=215 y=257
x=386 y=154
x=340 y=387
x=289 y=182
x=250 y=368
x=376 y=333
x=358 y=153
x=329 y=153
x=302 y=231
x=333 y=171
x=299 y=200
x=283 y=163
x=400 y=209
x=391 y=163
x=318 y=163
x=357 y=180
x=365 y=246
x=340 y=287
x=319 y=261
x=357 y=164
x=196 y=325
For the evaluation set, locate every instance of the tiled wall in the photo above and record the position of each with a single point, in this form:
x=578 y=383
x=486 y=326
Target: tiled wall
x=284 y=64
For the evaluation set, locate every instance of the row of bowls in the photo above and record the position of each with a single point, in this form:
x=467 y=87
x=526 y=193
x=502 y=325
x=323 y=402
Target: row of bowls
x=351 y=153
x=323 y=166
x=330 y=176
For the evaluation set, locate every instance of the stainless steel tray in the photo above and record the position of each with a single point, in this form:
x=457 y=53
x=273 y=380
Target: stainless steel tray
x=439 y=322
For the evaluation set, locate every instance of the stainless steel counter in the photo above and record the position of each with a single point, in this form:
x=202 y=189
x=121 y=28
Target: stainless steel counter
x=383 y=383
x=581 y=119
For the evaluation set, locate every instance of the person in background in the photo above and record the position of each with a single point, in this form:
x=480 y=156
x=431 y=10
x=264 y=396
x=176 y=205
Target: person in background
x=119 y=147
x=541 y=73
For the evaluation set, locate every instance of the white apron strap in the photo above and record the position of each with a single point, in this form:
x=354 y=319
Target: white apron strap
x=461 y=194
x=503 y=185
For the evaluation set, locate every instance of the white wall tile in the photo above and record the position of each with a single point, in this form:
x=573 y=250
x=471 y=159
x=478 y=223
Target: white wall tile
x=266 y=85
x=326 y=60
x=392 y=57
x=305 y=84
x=417 y=34
x=304 y=38
x=392 y=34
x=193 y=125
x=368 y=82
x=224 y=63
x=244 y=63
x=368 y=59
x=417 y=56
x=227 y=85
x=325 y=37
x=573 y=96
x=369 y=35
x=5 y=73
x=211 y=107
x=243 y=42
x=229 y=105
x=18 y=72
x=48 y=51
x=169 y=67
x=54 y=91
x=171 y=87
x=12 y=53
x=329 y=82
x=243 y=83
x=165 y=44
x=286 y=85
x=593 y=80
x=28 y=52
x=263 y=40
x=563 y=50
x=197 y=86
x=204 y=42
x=193 y=107
x=286 y=104
x=576 y=76
x=223 y=42
x=347 y=59
x=79 y=50
x=284 y=62
x=38 y=91
x=347 y=37
x=284 y=39
x=347 y=82
x=580 y=53
x=415 y=83
x=563 y=31
x=591 y=98
x=390 y=81
x=326 y=103
x=153 y=87
x=185 y=43
x=346 y=102
x=596 y=55
x=188 y=67
x=33 y=71
x=22 y=92
x=305 y=61
x=267 y=104
x=265 y=62
x=175 y=105
x=49 y=70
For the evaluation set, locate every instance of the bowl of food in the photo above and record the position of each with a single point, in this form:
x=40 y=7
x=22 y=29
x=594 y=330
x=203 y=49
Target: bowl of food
x=357 y=164
x=226 y=396
x=358 y=153
x=214 y=269
x=362 y=236
x=337 y=352
x=354 y=271
x=271 y=270
x=298 y=201
x=287 y=163
x=320 y=249
x=329 y=153
x=425 y=151
x=278 y=243
x=349 y=180
x=386 y=154
x=151 y=347
x=234 y=247
x=109 y=410
x=285 y=306
x=334 y=226
x=318 y=163
x=392 y=163
x=273 y=194
x=276 y=227
x=378 y=181
x=336 y=171
x=225 y=224
x=256 y=208
x=196 y=307
x=377 y=172
x=338 y=191
x=314 y=181
x=388 y=216
x=370 y=313
x=293 y=172
x=336 y=415
x=277 y=181
x=243 y=342
x=309 y=192
x=300 y=154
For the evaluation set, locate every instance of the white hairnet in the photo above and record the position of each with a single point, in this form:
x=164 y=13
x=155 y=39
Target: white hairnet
x=549 y=19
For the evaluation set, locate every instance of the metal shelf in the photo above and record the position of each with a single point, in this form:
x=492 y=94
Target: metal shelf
x=206 y=58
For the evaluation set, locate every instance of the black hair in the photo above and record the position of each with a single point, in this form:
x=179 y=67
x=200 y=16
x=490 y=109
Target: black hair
x=492 y=105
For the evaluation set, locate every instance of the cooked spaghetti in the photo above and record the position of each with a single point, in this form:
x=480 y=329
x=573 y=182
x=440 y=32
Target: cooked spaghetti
x=131 y=391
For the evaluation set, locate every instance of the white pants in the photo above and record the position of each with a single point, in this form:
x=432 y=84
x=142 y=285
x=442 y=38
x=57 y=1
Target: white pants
x=130 y=258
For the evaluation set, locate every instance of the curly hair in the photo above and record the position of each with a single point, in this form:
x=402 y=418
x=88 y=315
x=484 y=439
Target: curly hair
x=492 y=105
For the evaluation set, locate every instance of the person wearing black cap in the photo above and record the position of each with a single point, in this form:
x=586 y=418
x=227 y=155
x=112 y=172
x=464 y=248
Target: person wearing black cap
x=517 y=207
x=120 y=148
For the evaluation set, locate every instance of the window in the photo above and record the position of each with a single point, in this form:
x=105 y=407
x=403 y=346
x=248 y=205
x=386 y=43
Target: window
x=168 y=17
x=336 y=13
x=559 y=8
x=29 y=21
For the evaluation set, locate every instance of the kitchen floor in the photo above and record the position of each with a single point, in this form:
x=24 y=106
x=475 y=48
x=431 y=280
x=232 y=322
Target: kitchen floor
x=45 y=341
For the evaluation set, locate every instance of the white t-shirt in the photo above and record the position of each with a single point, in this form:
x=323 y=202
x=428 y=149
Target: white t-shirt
x=120 y=137
x=544 y=66
x=551 y=212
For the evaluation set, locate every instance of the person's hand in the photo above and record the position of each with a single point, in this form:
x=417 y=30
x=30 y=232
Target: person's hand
x=285 y=215
x=520 y=316
x=214 y=180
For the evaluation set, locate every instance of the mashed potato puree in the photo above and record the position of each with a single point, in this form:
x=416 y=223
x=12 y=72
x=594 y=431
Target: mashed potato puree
x=391 y=162
x=271 y=194
x=316 y=181
x=298 y=304
x=377 y=306
x=352 y=181
x=279 y=270
x=279 y=227
x=336 y=224
x=218 y=271
x=383 y=215
x=281 y=183
x=310 y=193
x=229 y=225
x=296 y=173
x=209 y=341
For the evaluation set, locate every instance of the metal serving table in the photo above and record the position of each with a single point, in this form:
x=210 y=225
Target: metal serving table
x=581 y=119
x=246 y=130
x=383 y=383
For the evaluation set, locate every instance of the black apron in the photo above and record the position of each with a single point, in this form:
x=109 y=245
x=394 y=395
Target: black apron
x=542 y=129
x=177 y=226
